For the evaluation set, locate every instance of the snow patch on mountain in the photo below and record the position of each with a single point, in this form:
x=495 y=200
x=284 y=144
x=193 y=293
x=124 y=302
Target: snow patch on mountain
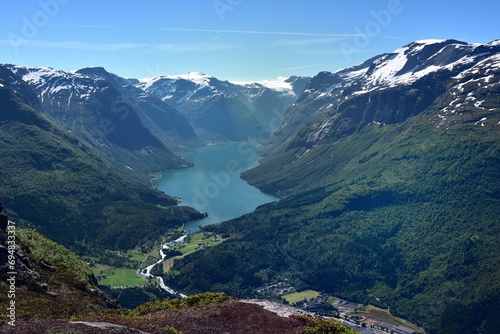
x=352 y=75
x=487 y=65
x=386 y=69
x=319 y=131
x=481 y=121
x=493 y=43
x=420 y=44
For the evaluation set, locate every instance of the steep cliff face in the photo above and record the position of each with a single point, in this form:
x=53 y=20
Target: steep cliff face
x=41 y=279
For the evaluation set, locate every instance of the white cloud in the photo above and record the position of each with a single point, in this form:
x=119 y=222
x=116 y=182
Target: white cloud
x=86 y=26
x=330 y=51
x=211 y=45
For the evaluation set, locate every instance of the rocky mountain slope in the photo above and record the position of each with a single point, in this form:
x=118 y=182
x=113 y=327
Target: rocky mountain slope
x=387 y=173
x=456 y=80
x=94 y=111
x=224 y=110
x=392 y=86
x=164 y=121
x=41 y=279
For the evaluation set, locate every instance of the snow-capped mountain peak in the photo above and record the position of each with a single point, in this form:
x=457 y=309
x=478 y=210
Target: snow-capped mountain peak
x=429 y=41
x=392 y=87
x=38 y=75
x=181 y=88
x=197 y=78
x=52 y=83
x=408 y=64
x=417 y=59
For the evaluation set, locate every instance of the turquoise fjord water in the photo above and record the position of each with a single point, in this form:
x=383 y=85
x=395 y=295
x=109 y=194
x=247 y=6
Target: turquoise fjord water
x=214 y=185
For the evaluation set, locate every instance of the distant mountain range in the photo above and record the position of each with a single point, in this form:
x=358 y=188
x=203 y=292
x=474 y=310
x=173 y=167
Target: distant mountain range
x=95 y=111
x=223 y=110
x=388 y=177
x=164 y=121
x=77 y=152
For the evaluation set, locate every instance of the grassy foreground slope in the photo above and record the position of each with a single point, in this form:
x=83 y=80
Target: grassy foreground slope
x=51 y=281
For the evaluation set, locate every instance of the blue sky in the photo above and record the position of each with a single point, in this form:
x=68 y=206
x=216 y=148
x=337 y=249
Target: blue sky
x=238 y=40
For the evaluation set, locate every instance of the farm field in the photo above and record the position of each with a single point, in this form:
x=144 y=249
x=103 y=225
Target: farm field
x=300 y=296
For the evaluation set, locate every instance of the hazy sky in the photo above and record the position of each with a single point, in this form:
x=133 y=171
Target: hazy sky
x=238 y=40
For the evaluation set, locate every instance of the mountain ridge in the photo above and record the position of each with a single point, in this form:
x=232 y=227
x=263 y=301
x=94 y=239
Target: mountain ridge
x=413 y=78
x=99 y=116
x=164 y=121
x=224 y=110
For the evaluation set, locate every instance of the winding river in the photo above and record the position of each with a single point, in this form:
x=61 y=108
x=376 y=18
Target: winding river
x=146 y=272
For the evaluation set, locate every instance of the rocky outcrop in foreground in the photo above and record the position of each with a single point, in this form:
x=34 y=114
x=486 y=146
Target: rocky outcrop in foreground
x=204 y=314
x=14 y=257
